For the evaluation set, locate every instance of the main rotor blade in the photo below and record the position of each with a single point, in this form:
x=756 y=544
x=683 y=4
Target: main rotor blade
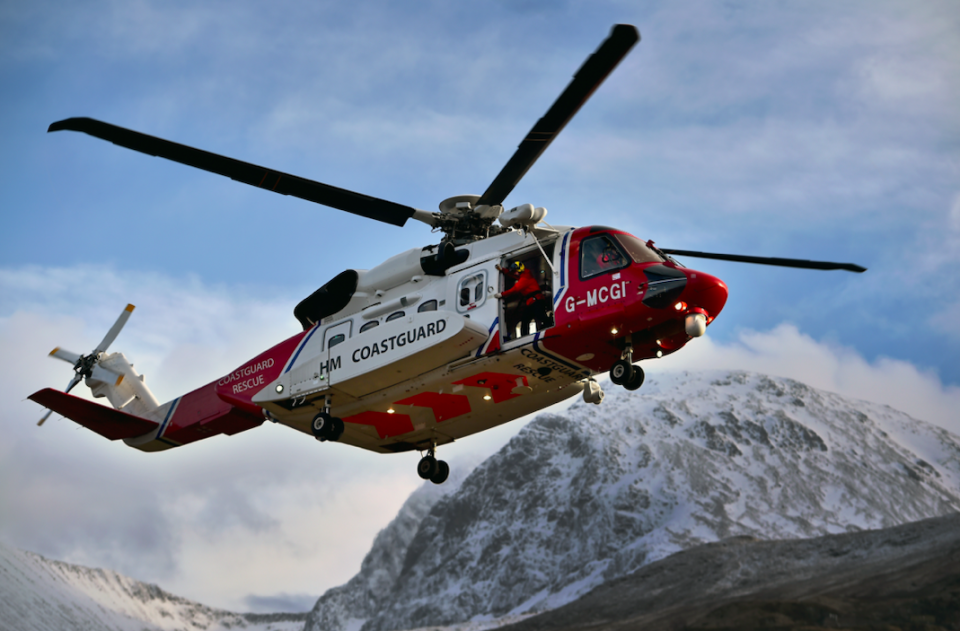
x=261 y=177
x=114 y=330
x=593 y=72
x=760 y=260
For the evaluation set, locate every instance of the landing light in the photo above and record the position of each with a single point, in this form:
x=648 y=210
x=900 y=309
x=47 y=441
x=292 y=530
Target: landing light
x=680 y=306
x=487 y=397
x=614 y=331
x=391 y=411
x=279 y=388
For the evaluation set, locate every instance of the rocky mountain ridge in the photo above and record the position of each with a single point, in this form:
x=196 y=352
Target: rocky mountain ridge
x=40 y=594
x=584 y=497
x=902 y=577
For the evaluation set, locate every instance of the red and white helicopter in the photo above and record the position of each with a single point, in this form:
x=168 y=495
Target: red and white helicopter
x=423 y=349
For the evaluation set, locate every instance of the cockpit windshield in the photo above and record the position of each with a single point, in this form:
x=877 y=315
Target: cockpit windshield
x=637 y=249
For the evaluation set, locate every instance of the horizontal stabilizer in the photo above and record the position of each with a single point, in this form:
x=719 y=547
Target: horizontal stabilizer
x=107 y=422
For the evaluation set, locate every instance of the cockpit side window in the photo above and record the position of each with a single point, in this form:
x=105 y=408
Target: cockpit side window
x=638 y=250
x=600 y=254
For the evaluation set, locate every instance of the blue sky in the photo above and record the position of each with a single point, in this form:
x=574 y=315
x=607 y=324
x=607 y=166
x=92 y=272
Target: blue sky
x=810 y=130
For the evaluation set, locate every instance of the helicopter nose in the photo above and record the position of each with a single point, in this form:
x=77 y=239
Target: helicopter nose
x=705 y=292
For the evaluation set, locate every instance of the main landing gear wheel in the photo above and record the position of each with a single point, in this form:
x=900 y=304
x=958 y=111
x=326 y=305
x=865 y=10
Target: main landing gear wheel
x=621 y=372
x=326 y=427
x=636 y=380
x=429 y=468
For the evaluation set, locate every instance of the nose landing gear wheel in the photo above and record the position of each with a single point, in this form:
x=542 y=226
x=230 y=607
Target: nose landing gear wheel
x=621 y=372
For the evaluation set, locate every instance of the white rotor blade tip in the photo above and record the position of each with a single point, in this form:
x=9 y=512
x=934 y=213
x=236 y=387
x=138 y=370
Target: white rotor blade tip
x=115 y=329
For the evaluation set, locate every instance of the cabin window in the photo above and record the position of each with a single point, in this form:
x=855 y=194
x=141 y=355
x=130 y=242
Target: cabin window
x=393 y=316
x=336 y=334
x=472 y=292
x=430 y=305
x=370 y=325
x=601 y=254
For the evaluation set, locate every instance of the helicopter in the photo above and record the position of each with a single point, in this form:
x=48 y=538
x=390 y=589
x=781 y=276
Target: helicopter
x=435 y=343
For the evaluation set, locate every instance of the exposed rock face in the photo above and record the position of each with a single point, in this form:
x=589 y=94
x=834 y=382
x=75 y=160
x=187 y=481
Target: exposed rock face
x=581 y=498
x=39 y=594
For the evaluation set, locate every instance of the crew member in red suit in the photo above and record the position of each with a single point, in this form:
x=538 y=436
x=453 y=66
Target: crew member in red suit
x=533 y=304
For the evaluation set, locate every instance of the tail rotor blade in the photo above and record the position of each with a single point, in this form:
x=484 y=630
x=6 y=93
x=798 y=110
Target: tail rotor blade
x=114 y=330
x=102 y=373
x=67 y=356
x=73 y=382
x=45 y=417
x=76 y=379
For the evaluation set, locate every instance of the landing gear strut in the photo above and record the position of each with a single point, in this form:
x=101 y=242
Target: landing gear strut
x=625 y=373
x=429 y=468
x=325 y=426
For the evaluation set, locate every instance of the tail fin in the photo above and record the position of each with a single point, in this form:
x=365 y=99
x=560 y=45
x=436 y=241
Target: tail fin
x=122 y=386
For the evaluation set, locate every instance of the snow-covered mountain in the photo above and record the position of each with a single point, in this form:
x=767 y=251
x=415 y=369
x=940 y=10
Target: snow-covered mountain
x=37 y=594
x=580 y=498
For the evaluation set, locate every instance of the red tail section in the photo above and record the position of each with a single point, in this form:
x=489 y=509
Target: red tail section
x=107 y=422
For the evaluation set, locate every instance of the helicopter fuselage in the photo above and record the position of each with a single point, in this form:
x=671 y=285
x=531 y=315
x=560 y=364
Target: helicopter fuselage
x=414 y=361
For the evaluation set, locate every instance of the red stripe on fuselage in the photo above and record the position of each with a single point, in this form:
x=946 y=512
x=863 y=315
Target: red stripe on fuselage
x=225 y=406
x=386 y=424
x=500 y=384
x=444 y=406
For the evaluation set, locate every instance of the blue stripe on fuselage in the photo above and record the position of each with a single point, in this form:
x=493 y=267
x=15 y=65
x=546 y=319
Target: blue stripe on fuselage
x=306 y=338
x=166 y=419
